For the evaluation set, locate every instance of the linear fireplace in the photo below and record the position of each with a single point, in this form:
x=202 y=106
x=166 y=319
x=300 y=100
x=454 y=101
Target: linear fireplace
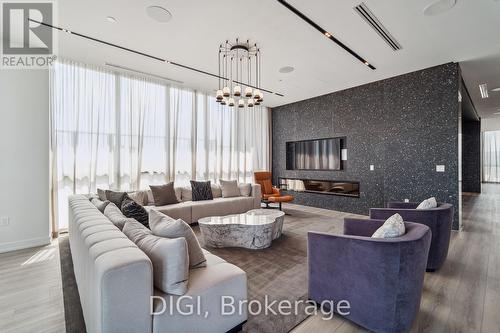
x=331 y=187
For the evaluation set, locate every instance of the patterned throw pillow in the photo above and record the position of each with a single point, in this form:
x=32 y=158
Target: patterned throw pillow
x=201 y=191
x=132 y=209
x=116 y=197
x=428 y=204
x=392 y=227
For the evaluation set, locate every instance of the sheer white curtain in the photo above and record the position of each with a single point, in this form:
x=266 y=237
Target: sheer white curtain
x=491 y=156
x=124 y=132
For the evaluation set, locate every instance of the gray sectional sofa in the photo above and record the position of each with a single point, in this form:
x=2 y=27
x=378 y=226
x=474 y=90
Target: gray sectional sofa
x=115 y=279
x=192 y=211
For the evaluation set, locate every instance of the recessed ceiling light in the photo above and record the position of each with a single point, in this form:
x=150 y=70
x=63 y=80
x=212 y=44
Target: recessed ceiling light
x=483 y=88
x=159 y=14
x=286 y=69
x=439 y=7
x=495 y=89
x=111 y=19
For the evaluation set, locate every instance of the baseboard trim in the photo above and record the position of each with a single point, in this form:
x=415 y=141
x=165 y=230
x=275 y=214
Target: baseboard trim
x=24 y=244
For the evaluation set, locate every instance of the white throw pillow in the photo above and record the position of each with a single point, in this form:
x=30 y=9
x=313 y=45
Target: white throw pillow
x=165 y=226
x=141 y=197
x=229 y=188
x=216 y=191
x=169 y=257
x=187 y=194
x=392 y=227
x=428 y=204
x=245 y=189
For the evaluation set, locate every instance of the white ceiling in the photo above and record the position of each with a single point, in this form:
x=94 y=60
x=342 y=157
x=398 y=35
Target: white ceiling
x=467 y=33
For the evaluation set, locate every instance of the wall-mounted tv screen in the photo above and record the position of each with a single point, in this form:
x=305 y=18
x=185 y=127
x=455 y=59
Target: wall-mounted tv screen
x=320 y=154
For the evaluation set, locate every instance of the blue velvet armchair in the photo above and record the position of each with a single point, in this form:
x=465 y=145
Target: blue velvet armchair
x=438 y=219
x=381 y=279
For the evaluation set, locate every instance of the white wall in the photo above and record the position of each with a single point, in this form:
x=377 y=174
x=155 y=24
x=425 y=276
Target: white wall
x=24 y=158
x=490 y=124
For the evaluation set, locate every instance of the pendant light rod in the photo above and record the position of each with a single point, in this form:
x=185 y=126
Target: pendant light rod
x=222 y=77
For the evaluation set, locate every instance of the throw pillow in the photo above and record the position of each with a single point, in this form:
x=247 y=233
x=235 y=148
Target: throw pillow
x=428 y=204
x=392 y=227
x=229 y=188
x=115 y=215
x=169 y=257
x=140 y=197
x=164 y=194
x=101 y=194
x=101 y=205
x=245 y=189
x=201 y=191
x=165 y=226
x=116 y=197
x=216 y=191
x=132 y=209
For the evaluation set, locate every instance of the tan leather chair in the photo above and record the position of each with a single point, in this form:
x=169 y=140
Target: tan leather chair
x=270 y=194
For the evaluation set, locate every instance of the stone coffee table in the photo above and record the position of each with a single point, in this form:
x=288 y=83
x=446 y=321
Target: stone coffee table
x=255 y=229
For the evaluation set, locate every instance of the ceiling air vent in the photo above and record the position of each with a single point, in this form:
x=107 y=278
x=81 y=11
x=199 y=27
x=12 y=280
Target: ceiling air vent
x=373 y=21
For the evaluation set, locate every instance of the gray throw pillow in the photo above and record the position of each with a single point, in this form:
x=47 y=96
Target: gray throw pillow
x=132 y=209
x=101 y=205
x=428 y=203
x=201 y=191
x=141 y=197
x=164 y=194
x=169 y=257
x=165 y=226
x=245 y=189
x=392 y=227
x=229 y=188
x=101 y=194
x=116 y=197
x=216 y=191
x=186 y=194
x=115 y=215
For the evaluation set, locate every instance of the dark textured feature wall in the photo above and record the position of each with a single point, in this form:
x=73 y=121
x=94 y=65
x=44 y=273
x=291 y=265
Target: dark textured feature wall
x=404 y=126
x=471 y=156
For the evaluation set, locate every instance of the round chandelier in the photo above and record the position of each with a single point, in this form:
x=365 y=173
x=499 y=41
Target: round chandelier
x=239 y=74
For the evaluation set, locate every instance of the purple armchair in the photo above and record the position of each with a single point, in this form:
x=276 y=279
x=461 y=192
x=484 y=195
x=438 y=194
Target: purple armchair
x=380 y=278
x=438 y=219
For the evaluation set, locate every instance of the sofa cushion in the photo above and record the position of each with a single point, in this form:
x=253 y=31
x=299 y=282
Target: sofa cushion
x=132 y=209
x=181 y=210
x=165 y=226
x=428 y=204
x=208 y=285
x=201 y=190
x=187 y=193
x=164 y=194
x=221 y=207
x=392 y=227
x=116 y=197
x=115 y=215
x=245 y=189
x=169 y=257
x=229 y=188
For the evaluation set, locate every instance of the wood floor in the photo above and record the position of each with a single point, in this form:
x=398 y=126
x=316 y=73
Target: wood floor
x=464 y=296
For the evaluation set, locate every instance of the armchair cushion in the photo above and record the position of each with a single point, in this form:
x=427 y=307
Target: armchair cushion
x=428 y=203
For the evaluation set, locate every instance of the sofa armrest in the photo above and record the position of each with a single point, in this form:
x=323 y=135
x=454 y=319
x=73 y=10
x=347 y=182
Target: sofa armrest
x=257 y=195
x=361 y=227
x=122 y=292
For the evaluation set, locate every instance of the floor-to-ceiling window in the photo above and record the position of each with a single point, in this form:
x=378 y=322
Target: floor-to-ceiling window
x=112 y=130
x=491 y=156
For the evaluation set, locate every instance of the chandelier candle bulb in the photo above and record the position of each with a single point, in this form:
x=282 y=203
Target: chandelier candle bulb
x=241 y=103
x=237 y=91
x=219 y=95
x=223 y=101
x=248 y=92
x=230 y=102
x=250 y=102
x=226 y=91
